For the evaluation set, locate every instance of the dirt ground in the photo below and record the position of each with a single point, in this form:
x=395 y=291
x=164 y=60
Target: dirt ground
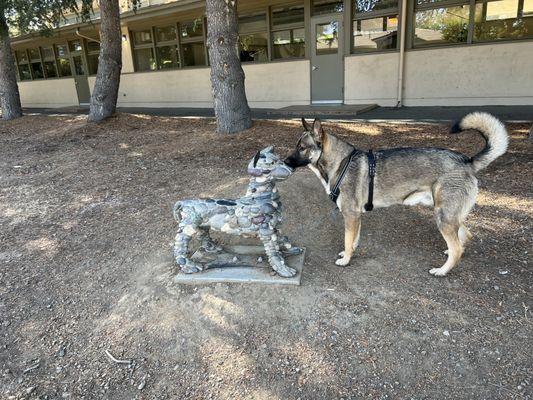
x=86 y=267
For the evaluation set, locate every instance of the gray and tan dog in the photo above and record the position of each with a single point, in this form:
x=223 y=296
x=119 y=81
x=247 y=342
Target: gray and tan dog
x=440 y=178
x=256 y=214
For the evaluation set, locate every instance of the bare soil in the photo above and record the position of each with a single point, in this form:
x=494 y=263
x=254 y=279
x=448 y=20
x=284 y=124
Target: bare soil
x=86 y=266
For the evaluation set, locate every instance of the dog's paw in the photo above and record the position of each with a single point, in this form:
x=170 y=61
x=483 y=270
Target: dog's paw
x=438 y=271
x=342 y=261
x=191 y=267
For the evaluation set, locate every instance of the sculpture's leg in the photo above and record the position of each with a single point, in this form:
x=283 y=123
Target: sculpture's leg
x=275 y=258
x=286 y=246
x=181 y=250
x=208 y=244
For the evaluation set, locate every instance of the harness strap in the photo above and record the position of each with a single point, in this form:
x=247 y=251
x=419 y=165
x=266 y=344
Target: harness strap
x=371 y=173
x=335 y=192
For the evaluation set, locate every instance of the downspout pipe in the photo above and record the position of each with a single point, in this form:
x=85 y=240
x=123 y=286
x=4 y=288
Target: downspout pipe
x=86 y=37
x=402 y=53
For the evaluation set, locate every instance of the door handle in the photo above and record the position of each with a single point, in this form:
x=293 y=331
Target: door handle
x=314 y=68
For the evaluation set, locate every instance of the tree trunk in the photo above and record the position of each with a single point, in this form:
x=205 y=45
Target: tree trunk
x=227 y=77
x=9 y=90
x=105 y=93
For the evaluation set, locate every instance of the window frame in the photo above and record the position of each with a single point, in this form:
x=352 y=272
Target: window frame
x=356 y=17
x=264 y=11
x=286 y=27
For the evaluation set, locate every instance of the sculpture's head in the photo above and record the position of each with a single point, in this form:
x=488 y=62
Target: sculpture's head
x=267 y=166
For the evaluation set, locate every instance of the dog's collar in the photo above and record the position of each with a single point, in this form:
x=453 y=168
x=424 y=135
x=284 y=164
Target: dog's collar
x=335 y=192
x=371 y=173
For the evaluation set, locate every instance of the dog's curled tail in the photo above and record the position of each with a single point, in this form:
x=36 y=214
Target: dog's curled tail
x=493 y=131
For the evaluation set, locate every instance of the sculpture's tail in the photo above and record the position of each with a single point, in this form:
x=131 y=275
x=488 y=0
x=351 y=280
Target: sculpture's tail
x=177 y=210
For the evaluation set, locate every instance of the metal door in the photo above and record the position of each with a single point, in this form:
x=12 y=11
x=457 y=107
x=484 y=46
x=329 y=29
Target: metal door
x=79 y=67
x=327 y=67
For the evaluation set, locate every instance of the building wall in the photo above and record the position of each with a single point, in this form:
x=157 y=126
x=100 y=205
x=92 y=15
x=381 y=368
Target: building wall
x=192 y=87
x=497 y=74
x=48 y=93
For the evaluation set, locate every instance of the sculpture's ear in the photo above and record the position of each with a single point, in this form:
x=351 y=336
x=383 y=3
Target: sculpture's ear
x=256 y=158
x=267 y=149
x=318 y=132
x=306 y=126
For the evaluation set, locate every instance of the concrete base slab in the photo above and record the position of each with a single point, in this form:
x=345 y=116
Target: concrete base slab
x=320 y=110
x=242 y=264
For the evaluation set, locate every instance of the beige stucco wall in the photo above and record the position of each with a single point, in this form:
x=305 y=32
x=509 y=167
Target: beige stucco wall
x=269 y=85
x=496 y=74
x=278 y=84
x=48 y=93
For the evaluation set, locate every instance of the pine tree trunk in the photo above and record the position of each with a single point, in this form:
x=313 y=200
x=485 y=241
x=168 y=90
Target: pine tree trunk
x=105 y=93
x=9 y=90
x=227 y=77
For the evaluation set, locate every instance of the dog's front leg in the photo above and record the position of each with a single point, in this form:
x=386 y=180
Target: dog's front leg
x=352 y=230
x=275 y=257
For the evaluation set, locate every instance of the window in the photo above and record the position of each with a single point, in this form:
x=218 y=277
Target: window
x=23 y=65
x=143 y=51
x=288 y=34
x=327 y=7
x=93 y=51
x=49 y=62
x=36 y=66
x=375 y=25
x=253 y=37
x=192 y=42
x=503 y=19
x=63 y=61
x=167 y=47
x=442 y=25
x=327 y=38
x=75 y=45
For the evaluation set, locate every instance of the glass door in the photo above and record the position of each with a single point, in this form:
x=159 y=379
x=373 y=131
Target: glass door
x=80 y=71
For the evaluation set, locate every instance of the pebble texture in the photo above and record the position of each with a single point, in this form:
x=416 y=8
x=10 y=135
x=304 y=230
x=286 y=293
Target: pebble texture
x=257 y=214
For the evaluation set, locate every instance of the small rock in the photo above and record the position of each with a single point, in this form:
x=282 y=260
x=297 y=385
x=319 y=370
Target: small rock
x=141 y=385
x=30 y=390
x=504 y=272
x=259 y=259
x=446 y=333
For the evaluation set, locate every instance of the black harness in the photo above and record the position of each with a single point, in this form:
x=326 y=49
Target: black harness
x=335 y=192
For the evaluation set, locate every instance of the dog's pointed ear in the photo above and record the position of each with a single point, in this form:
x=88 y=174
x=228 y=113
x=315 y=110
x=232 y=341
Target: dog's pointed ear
x=256 y=157
x=318 y=132
x=306 y=126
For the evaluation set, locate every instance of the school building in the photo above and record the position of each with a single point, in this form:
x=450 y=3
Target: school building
x=385 y=52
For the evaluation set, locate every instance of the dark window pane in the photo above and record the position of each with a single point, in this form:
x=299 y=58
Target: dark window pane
x=327 y=6
x=254 y=47
x=193 y=54
x=288 y=15
x=288 y=44
x=362 y=6
x=167 y=57
x=93 y=46
x=192 y=29
x=327 y=38
x=37 y=70
x=64 y=67
x=61 y=50
x=144 y=59
x=92 y=61
x=34 y=54
x=21 y=56
x=48 y=53
x=79 y=68
x=165 y=34
x=441 y=26
x=252 y=23
x=142 y=37
x=497 y=20
x=375 y=34
x=74 y=45
x=24 y=72
x=50 y=69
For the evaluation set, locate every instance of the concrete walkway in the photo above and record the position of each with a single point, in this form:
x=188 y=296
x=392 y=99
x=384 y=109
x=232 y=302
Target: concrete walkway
x=407 y=114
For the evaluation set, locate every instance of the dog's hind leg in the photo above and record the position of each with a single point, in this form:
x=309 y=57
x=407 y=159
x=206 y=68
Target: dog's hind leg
x=455 y=249
x=181 y=250
x=352 y=230
x=207 y=243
